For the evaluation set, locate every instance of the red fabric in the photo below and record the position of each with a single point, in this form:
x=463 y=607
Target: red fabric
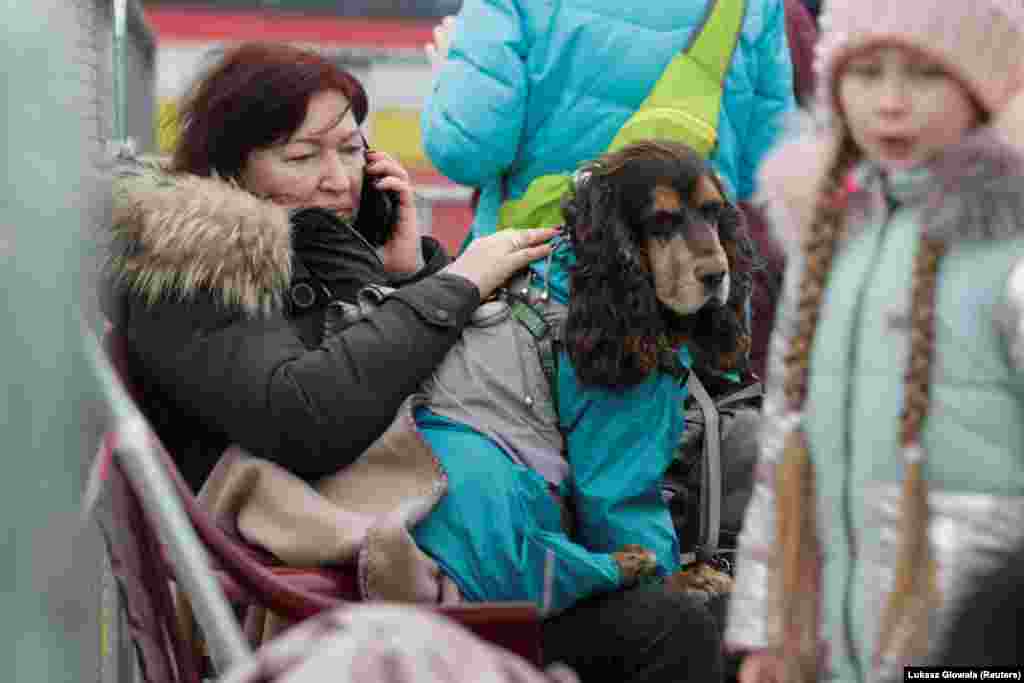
x=767 y=286
x=801 y=36
x=205 y=25
x=144 y=586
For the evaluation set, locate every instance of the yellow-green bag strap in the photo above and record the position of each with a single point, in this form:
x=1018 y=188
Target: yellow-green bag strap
x=714 y=45
x=683 y=105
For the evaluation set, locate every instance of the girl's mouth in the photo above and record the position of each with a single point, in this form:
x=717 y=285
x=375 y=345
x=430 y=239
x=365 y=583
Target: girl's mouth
x=896 y=148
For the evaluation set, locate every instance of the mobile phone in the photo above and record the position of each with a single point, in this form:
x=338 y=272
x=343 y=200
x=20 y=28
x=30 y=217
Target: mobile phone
x=378 y=212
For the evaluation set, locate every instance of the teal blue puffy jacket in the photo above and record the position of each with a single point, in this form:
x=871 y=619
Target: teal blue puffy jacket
x=533 y=87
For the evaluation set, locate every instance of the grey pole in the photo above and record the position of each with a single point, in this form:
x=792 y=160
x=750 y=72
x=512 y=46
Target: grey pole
x=120 y=107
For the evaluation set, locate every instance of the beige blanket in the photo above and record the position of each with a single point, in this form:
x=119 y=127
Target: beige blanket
x=361 y=514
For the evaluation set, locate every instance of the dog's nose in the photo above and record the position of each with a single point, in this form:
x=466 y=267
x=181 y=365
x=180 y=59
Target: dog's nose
x=712 y=280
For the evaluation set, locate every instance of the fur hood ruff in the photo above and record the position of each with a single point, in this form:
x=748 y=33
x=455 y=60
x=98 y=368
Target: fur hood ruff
x=174 y=235
x=984 y=174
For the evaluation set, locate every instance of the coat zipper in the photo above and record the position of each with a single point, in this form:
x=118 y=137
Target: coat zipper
x=851 y=640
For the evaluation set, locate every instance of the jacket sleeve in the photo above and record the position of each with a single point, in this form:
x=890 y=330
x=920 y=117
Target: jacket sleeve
x=773 y=98
x=473 y=119
x=619 y=446
x=310 y=410
x=747 y=627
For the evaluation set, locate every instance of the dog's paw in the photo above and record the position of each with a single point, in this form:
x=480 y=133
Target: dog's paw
x=700 y=578
x=635 y=562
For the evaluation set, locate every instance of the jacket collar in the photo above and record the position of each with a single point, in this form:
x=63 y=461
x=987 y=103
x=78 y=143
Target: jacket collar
x=973 y=190
x=176 y=235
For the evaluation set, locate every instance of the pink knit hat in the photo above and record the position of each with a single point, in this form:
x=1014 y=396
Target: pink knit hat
x=979 y=41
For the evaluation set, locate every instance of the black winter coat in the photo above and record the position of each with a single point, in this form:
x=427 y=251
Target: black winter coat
x=200 y=275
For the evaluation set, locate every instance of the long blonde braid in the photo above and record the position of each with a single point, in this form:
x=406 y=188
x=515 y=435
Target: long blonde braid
x=796 y=532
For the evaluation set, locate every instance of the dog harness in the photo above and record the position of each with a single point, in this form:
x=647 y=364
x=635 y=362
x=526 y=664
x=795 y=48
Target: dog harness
x=532 y=310
x=683 y=106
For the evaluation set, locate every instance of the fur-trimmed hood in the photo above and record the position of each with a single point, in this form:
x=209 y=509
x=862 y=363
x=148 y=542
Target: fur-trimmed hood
x=983 y=175
x=174 y=235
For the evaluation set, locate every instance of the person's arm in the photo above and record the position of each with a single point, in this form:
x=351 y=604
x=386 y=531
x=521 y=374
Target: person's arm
x=311 y=411
x=619 y=446
x=473 y=119
x=773 y=98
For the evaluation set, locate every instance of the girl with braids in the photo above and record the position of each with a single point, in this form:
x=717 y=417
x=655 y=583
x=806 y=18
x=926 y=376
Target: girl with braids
x=892 y=455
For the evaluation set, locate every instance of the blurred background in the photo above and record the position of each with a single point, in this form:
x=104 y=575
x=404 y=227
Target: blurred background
x=380 y=41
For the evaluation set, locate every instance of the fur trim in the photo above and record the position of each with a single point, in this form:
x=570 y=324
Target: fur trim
x=175 y=236
x=981 y=190
x=793 y=174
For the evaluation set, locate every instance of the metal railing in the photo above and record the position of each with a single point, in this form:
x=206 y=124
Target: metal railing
x=125 y=126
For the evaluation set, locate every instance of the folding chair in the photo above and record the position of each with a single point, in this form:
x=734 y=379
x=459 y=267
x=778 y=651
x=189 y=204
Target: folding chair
x=248 y=576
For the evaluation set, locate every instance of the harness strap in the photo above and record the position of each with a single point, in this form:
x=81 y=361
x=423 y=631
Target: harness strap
x=710 y=510
x=683 y=105
x=686 y=101
x=548 y=348
x=530 y=317
x=751 y=391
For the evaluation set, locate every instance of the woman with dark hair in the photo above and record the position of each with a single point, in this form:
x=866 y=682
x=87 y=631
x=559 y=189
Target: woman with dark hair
x=234 y=273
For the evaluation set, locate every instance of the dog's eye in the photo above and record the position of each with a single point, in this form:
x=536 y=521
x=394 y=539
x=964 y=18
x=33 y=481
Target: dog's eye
x=712 y=211
x=721 y=214
x=663 y=224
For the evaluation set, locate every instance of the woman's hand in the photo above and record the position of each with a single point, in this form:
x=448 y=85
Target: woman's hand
x=402 y=253
x=760 y=667
x=489 y=261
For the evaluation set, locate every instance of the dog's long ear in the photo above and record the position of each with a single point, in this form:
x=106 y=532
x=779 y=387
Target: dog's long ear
x=613 y=320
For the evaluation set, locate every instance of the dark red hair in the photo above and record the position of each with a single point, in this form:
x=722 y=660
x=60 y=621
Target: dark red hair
x=252 y=97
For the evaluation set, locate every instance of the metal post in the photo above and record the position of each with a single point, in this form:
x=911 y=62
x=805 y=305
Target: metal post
x=120 y=30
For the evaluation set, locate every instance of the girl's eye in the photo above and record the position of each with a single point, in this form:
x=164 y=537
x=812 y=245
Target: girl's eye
x=927 y=71
x=299 y=158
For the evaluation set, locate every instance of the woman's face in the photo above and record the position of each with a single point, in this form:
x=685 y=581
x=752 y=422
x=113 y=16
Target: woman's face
x=320 y=164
